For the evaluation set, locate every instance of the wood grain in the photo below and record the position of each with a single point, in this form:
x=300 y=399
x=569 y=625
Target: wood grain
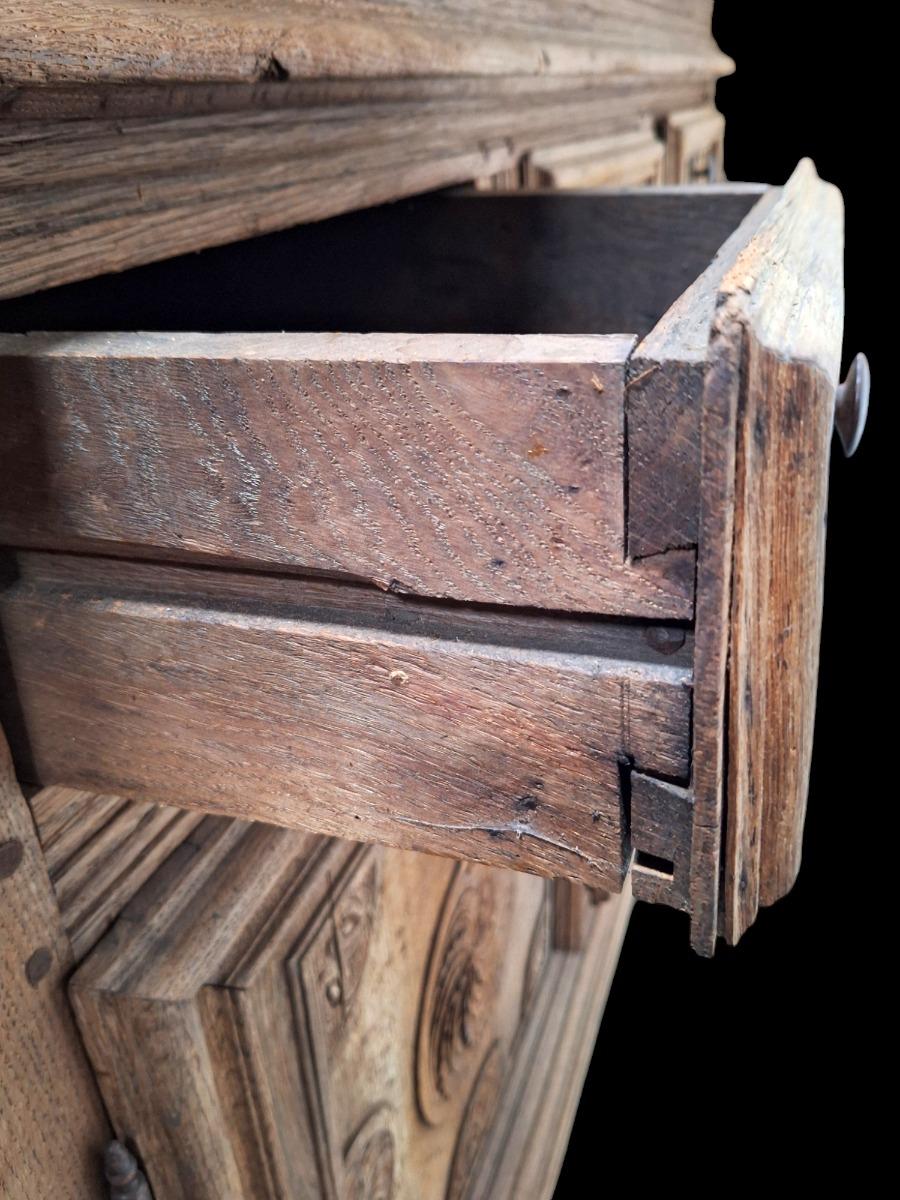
x=628 y=94
x=661 y=836
x=525 y=1148
x=767 y=413
x=479 y=468
x=108 y=190
x=695 y=140
x=666 y=376
x=631 y=158
x=52 y=1125
x=681 y=406
x=140 y=41
x=783 y=300
x=99 y=851
x=289 y=980
x=716 y=531
x=571 y=913
x=492 y=737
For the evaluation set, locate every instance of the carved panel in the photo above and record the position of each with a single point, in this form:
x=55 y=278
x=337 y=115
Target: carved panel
x=370 y=1160
x=332 y=966
x=479 y=1115
x=329 y=1021
x=300 y=1003
x=459 y=989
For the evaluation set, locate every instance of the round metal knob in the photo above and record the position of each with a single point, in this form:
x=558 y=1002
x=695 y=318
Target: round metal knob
x=851 y=405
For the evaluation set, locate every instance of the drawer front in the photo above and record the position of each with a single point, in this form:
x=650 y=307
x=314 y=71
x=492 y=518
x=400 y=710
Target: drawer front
x=781 y=310
x=353 y=1017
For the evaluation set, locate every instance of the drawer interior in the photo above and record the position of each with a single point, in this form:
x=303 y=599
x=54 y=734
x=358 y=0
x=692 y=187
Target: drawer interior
x=457 y=262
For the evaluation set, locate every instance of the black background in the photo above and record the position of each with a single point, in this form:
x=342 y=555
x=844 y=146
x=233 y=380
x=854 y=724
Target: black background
x=763 y=1063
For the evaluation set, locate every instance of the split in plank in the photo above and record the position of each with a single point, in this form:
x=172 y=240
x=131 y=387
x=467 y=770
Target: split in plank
x=499 y=738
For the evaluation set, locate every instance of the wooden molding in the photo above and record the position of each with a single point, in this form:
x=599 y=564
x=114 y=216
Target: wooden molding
x=298 y=977
x=139 y=42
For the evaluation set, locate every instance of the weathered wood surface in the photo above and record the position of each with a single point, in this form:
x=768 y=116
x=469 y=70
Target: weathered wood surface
x=631 y=158
x=712 y=621
x=664 y=405
x=729 y=407
x=626 y=94
x=141 y=41
x=661 y=837
x=695 y=143
x=473 y=468
x=52 y=1125
x=496 y=737
x=571 y=915
x=99 y=851
x=80 y=197
x=526 y=1147
x=680 y=422
x=272 y=988
x=781 y=304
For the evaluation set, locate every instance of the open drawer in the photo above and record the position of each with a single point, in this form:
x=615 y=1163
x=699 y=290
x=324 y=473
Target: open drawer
x=531 y=575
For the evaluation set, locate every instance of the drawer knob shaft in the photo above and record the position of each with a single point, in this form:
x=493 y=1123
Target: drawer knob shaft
x=851 y=406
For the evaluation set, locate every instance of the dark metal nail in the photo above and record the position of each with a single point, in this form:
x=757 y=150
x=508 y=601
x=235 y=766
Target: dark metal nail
x=11 y=854
x=665 y=639
x=38 y=965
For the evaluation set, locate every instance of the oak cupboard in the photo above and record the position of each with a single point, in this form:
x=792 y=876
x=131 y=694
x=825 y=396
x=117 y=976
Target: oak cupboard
x=388 y=601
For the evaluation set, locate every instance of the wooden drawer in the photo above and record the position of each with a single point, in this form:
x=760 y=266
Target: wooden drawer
x=481 y=583
x=278 y=1014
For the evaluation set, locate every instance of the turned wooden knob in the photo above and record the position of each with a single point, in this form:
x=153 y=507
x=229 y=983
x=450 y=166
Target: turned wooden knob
x=851 y=404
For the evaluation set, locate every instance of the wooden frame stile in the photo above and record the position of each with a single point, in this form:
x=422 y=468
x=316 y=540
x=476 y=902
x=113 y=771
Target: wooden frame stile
x=52 y=1124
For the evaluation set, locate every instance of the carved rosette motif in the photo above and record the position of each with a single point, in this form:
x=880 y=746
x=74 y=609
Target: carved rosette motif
x=481 y=1109
x=459 y=989
x=369 y=1160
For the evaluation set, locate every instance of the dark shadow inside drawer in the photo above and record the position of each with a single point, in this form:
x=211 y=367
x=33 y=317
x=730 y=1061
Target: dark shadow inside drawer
x=454 y=262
